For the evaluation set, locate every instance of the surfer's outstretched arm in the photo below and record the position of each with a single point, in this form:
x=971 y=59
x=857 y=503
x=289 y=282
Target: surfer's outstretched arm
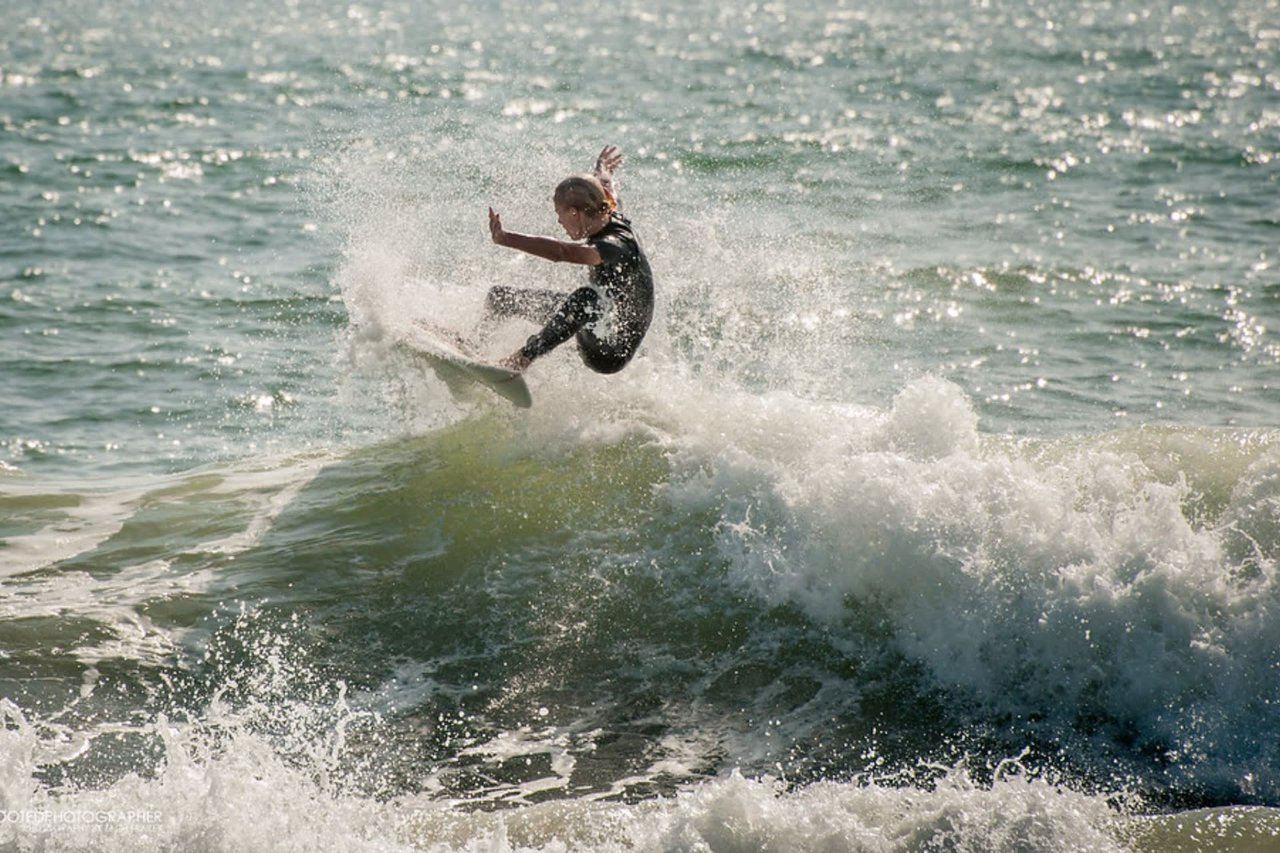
x=547 y=248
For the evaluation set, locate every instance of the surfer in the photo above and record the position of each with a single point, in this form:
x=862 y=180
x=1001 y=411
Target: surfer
x=610 y=315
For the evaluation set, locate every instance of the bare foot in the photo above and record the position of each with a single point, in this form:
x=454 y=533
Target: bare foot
x=516 y=362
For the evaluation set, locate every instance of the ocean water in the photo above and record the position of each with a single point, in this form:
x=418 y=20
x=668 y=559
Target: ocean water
x=941 y=510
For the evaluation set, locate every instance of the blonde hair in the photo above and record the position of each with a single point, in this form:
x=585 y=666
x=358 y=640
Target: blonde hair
x=586 y=193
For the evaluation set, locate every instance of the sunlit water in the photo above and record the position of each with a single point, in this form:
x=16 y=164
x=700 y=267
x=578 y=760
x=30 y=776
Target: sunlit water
x=940 y=511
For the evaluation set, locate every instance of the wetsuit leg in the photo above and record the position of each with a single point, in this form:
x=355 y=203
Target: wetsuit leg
x=602 y=359
x=573 y=313
x=537 y=306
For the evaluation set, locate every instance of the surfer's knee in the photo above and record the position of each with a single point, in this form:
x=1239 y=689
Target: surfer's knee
x=583 y=304
x=499 y=300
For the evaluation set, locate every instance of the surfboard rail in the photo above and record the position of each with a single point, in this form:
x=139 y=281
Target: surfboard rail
x=444 y=347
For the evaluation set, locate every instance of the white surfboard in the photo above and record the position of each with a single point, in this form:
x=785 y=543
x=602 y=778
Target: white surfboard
x=449 y=358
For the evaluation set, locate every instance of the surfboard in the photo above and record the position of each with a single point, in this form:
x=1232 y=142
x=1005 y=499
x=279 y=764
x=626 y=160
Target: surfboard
x=448 y=355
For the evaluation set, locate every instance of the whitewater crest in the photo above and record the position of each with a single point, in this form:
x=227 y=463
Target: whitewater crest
x=1108 y=586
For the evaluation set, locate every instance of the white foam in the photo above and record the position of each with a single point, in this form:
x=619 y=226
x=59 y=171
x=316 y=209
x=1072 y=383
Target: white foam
x=236 y=792
x=1033 y=579
x=739 y=814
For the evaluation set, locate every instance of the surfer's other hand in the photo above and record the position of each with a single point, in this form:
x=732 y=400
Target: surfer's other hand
x=495 y=227
x=610 y=158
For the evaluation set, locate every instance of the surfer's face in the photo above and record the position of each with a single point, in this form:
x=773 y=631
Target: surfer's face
x=571 y=220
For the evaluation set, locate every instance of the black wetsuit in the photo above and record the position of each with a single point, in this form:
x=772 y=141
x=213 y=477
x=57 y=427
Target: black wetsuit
x=609 y=317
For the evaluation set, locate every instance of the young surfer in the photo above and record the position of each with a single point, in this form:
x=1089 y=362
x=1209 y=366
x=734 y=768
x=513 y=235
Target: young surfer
x=610 y=315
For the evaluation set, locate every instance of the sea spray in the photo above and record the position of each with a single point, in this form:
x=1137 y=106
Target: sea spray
x=221 y=786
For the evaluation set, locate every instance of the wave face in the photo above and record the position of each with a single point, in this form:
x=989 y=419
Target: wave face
x=765 y=605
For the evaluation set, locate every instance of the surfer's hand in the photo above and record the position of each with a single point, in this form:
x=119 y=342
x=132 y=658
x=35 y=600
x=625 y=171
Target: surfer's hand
x=495 y=228
x=610 y=158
